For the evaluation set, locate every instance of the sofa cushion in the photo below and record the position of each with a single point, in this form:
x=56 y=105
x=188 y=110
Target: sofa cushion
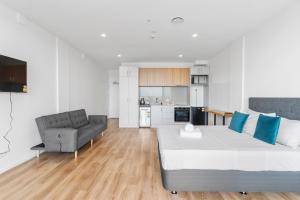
x=86 y=133
x=86 y=130
x=99 y=127
x=78 y=118
x=61 y=120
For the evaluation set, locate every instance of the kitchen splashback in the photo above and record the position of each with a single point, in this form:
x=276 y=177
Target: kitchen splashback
x=165 y=95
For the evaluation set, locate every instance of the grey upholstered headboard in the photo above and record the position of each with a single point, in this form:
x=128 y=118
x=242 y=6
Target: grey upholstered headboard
x=284 y=107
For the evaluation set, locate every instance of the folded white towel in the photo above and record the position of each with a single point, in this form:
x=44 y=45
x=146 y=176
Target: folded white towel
x=191 y=134
x=189 y=127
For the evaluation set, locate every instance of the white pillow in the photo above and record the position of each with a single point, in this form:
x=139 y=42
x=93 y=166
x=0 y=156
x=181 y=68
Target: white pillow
x=252 y=112
x=251 y=122
x=289 y=133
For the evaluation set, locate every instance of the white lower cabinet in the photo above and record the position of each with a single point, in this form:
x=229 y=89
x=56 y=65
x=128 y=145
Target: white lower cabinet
x=162 y=115
x=167 y=115
x=156 y=116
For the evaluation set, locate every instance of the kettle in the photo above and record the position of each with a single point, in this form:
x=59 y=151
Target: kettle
x=142 y=101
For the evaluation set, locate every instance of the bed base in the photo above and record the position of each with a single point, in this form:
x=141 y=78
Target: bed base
x=193 y=180
x=230 y=181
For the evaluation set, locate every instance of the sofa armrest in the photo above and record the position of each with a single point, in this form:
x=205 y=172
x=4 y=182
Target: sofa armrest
x=61 y=139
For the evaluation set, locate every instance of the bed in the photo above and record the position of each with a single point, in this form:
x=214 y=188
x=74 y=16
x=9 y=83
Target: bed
x=225 y=161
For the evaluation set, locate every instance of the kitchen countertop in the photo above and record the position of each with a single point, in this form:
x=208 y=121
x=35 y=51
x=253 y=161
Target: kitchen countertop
x=145 y=105
x=170 y=105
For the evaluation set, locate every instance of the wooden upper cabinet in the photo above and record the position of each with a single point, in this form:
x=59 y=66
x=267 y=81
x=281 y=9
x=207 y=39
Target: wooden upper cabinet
x=154 y=77
x=164 y=76
x=185 y=77
x=168 y=77
x=181 y=77
x=143 y=76
x=177 y=77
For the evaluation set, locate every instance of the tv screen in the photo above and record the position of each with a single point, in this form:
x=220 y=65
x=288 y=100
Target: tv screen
x=13 y=75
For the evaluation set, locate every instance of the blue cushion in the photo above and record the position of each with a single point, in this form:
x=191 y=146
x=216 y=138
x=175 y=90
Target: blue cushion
x=267 y=128
x=238 y=121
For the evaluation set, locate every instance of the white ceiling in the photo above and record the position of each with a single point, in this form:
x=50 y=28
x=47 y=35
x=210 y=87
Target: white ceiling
x=80 y=22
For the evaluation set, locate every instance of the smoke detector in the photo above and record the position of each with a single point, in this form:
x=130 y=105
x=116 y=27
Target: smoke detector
x=177 y=20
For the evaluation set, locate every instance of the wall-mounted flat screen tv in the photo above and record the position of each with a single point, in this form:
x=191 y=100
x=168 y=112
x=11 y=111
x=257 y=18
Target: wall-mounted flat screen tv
x=13 y=75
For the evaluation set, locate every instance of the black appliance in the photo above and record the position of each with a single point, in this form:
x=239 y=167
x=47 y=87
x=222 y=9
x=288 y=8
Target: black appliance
x=13 y=75
x=199 y=116
x=199 y=80
x=182 y=114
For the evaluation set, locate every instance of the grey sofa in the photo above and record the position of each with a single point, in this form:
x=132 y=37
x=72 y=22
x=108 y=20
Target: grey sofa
x=68 y=131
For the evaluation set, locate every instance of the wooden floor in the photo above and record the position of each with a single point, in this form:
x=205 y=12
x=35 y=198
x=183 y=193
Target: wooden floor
x=123 y=164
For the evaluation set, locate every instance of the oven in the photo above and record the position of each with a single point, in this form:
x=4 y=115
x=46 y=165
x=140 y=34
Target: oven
x=182 y=114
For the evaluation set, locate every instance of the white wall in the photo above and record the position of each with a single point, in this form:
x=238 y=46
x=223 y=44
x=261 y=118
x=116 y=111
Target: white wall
x=58 y=80
x=82 y=82
x=219 y=81
x=113 y=93
x=272 y=65
x=225 y=78
x=263 y=63
x=88 y=84
x=63 y=68
x=30 y=43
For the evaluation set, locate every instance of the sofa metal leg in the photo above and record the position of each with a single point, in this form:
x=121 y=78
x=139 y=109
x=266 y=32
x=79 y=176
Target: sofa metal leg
x=38 y=153
x=75 y=154
x=92 y=142
x=102 y=133
x=173 y=192
x=244 y=193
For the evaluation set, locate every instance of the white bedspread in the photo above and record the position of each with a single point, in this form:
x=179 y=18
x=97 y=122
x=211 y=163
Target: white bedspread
x=223 y=149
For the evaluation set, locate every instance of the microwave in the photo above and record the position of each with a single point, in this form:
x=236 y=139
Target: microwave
x=199 y=80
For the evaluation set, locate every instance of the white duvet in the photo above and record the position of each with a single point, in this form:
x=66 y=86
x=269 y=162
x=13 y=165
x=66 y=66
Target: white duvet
x=223 y=149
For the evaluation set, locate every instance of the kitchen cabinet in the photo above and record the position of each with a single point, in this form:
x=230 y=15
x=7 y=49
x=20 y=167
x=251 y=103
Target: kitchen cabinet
x=156 y=116
x=155 y=77
x=162 y=115
x=181 y=77
x=129 y=106
x=167 y=115
x=201 y=70
x=143 y=76
x=164 y=77
x=167 y=77
x=176 y=76
x=185 y=77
